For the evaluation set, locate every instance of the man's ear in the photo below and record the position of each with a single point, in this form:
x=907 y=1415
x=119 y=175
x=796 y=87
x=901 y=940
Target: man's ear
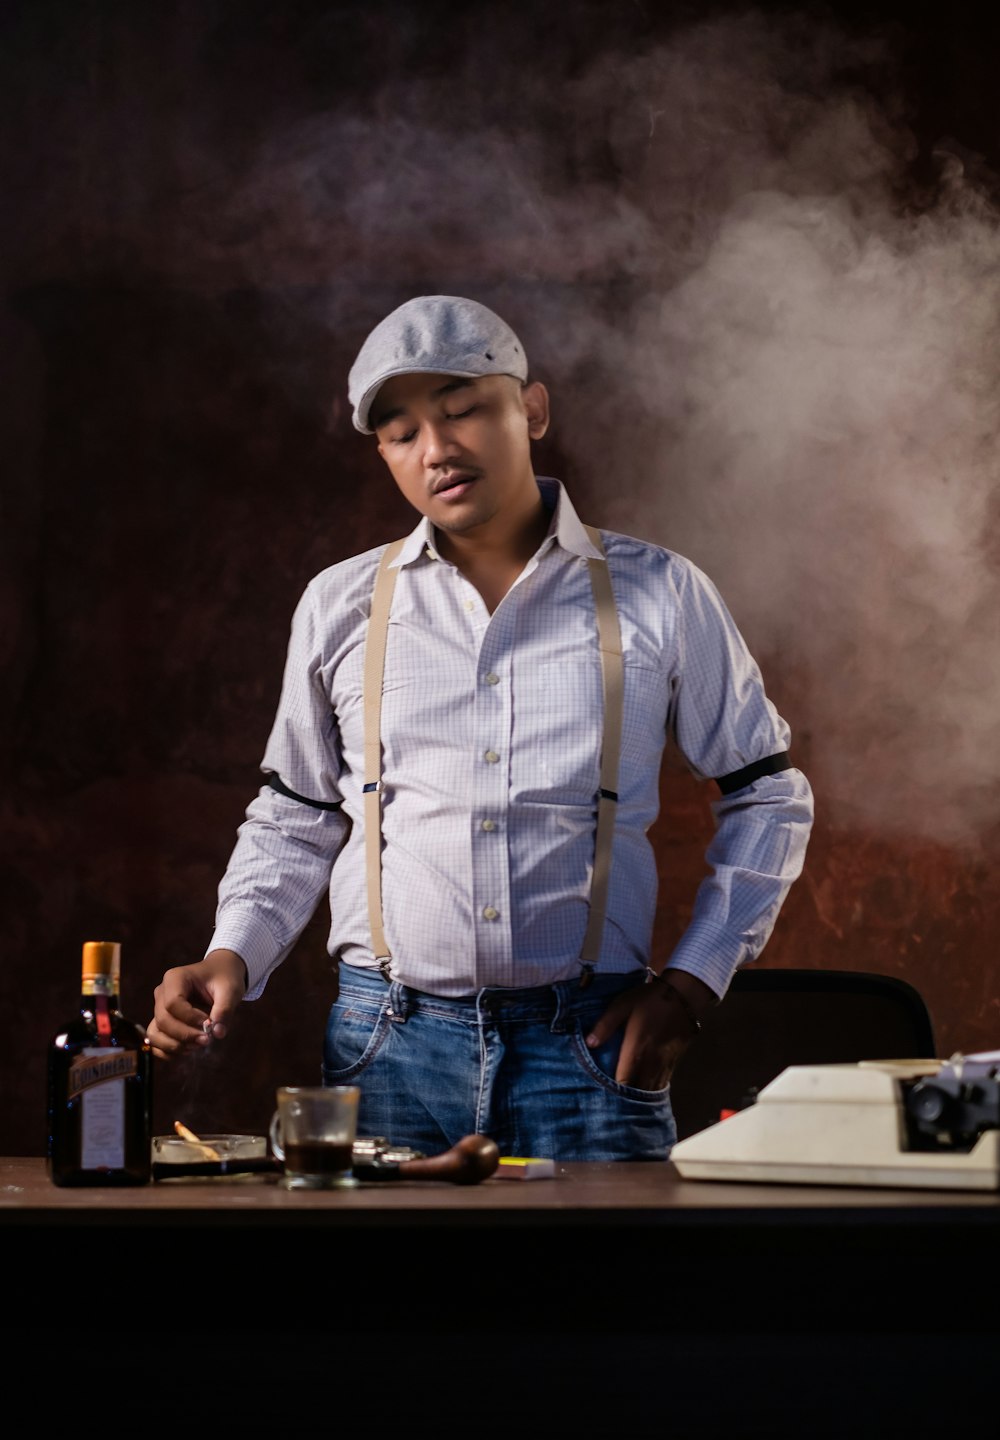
x=535 y=399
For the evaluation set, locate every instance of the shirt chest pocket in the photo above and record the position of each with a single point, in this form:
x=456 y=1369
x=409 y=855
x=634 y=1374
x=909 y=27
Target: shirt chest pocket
x=559 y=728
x=556 y=732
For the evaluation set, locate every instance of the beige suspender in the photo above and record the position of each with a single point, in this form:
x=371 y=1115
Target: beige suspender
x=610 y=645
x=375 y=639
x=612 y=674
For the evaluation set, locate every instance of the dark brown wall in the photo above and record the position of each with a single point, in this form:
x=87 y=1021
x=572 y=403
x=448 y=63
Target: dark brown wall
x=187 y=278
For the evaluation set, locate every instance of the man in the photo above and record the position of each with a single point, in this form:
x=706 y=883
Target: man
x=466 y=755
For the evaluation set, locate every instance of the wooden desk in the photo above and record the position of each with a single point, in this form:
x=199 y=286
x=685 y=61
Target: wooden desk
x=615 y=1295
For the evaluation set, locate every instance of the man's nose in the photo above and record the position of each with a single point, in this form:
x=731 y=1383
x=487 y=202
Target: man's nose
x=439 y=442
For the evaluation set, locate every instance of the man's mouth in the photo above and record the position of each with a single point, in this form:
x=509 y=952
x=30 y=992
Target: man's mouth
x=456 y=483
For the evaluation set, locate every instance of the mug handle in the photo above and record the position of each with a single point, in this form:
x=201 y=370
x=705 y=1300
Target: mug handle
x=273 y=1130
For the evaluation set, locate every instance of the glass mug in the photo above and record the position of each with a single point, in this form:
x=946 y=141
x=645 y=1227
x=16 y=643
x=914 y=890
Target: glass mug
x=312 y=1133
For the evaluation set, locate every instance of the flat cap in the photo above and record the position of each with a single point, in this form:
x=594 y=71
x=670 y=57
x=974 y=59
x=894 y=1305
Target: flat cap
x=433 y=335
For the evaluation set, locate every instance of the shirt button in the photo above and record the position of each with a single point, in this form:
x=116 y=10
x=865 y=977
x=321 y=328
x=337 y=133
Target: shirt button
x=492 y=679
x=470 y=604
x=491 y=757
x=489 y=825
x=490 y=914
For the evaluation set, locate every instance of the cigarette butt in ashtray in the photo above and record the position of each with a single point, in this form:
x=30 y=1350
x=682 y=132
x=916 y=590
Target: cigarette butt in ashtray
x=209 y=1151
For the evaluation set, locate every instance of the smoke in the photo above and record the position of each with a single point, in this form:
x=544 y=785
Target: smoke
x=833 y=457
x=770 y=348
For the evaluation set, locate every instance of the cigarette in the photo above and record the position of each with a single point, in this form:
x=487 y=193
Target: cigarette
x=209 y=1152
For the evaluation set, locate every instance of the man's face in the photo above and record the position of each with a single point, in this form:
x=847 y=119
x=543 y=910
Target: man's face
x=460 y=450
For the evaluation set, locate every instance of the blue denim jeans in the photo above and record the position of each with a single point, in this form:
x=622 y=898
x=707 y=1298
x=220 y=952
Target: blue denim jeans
x=511 y=1064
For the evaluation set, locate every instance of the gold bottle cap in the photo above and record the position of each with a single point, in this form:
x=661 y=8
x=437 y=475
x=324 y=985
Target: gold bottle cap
x=101 y=957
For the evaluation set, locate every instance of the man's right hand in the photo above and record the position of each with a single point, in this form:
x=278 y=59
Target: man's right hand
x=190 y=995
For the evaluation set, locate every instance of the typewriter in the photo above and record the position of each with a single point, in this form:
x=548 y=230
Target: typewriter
x=921 y=1123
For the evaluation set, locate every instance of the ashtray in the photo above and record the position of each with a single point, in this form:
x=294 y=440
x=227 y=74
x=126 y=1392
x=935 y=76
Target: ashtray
x=209 y=1156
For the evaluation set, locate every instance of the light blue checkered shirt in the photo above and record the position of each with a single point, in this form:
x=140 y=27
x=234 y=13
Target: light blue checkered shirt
x=491 y=732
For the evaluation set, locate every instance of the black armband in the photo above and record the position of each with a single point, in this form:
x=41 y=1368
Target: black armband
x=276 y=783
x=737 y=779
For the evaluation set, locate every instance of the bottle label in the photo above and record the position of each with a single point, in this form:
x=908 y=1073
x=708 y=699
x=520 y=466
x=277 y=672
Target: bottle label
x=99 y=1079
x=99 y=1067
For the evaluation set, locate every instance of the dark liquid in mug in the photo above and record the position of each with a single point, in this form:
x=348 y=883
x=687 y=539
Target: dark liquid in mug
x=313 y=1157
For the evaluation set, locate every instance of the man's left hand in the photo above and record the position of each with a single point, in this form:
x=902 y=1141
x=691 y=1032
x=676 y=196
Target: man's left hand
x=658 y=1028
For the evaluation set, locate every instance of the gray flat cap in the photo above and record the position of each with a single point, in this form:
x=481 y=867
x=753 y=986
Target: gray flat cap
x=433 y=335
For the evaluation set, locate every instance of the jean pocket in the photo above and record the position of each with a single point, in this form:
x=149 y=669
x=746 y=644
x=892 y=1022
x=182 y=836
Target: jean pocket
x=600 y=1064
x=355 y=1032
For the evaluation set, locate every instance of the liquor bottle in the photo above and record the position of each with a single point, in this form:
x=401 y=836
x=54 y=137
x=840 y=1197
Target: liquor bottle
x=100 y=1076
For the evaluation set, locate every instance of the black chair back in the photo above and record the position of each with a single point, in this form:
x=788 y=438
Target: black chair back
x=771 y=1019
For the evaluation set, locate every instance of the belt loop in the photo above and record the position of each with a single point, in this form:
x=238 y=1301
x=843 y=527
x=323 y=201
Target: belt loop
x=562 y=1016
x=399 y=1002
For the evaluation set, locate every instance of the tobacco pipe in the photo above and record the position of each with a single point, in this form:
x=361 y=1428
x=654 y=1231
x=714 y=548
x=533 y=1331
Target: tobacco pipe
x=474 y=1158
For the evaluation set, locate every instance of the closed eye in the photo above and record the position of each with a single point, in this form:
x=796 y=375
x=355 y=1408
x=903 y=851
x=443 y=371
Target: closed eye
x=409 y=435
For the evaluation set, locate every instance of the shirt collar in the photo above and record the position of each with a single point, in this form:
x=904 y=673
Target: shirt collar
x=565 y=529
